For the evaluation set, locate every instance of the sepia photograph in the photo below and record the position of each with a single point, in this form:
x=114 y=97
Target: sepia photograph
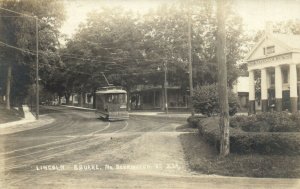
x=149 y=94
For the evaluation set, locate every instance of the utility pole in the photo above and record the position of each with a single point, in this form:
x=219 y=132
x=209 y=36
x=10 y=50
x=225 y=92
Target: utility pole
x=37 y=68
x=222 y=79
x=190 y=61
x=166 y=90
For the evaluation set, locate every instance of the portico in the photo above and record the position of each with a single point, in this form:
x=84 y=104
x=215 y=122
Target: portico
x=273 y=66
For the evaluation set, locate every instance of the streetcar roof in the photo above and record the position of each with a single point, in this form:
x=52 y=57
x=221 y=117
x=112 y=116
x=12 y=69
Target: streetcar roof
x=111 y=91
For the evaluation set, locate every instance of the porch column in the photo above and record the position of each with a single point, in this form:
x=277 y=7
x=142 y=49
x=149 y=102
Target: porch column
x=264 y=90
x=293 y=88
x=251 y=92
x=278 y=88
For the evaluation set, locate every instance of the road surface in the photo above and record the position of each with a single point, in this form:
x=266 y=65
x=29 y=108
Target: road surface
x=76 y=150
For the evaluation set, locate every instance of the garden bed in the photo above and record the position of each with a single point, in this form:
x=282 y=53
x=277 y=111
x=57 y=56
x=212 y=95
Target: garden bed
x=275 y=143
x=253 y=154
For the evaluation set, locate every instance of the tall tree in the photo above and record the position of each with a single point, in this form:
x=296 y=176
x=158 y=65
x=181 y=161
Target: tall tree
x=133 y=48
x=109 y=42
x=19 y=39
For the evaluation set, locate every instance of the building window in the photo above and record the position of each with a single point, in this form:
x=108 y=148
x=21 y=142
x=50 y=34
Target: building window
x=269 y=50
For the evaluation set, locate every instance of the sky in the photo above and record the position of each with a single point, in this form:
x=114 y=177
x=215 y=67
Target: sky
x=77 y=9
x=254 y=12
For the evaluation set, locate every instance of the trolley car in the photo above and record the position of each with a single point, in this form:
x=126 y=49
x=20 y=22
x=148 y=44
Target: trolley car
x=111 y=103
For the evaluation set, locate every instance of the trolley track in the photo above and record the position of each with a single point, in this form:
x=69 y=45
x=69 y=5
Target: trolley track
x=43 y=145
x=86 y=143
x=60 y=124
x=89 y=142
x=65 y=125
x=50 y=150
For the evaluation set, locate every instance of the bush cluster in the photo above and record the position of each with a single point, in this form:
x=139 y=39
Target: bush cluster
x=193 y=121
x=206 y=101
x=267 y=122
x=251 y=142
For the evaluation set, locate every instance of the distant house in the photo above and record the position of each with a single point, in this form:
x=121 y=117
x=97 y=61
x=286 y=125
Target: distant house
x=75 y=99
x=149 y=97
x=241 y=88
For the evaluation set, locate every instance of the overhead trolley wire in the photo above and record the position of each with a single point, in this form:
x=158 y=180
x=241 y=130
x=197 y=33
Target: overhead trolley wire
x=17 y=48
x=73 y=56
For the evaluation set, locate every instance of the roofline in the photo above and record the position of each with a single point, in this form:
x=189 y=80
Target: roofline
x=282 y=43
x=264 y=57
x=111 y=92
x=156 y=88
x=271 y=36
x=255 y=47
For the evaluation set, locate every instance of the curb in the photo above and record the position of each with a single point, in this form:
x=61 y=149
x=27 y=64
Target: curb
x=77 y=107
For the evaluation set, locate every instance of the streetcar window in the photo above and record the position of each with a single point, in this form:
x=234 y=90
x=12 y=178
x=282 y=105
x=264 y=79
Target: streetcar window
x=116 y=98
x=122 y=99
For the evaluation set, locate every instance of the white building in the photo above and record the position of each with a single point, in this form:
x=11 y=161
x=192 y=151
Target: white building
x=241 y=88
x=276 y=58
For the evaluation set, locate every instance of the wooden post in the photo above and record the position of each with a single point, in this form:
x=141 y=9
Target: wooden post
x=190 y=61
x=37 y=69
x=222 y=79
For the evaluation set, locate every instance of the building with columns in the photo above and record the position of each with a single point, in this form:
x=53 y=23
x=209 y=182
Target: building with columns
x=275 y=61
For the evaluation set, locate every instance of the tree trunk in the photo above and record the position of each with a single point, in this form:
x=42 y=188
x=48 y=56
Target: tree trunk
x=72 y=99
x=94 y=99
x=67 y=96
x=128 y=99
x=8 y=86
x=81 y=99
x=222 y=79
x=84 y=98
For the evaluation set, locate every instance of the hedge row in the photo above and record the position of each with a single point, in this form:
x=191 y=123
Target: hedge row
x=251 y=142
x=194 y=121
x=268 y=122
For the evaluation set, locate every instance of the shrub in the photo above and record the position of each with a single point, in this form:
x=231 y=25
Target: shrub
x=206 y=101
x=193 y=121
x=296 y=118
x=242 y=121
x=267 y=122
x=265 y=143
x=251 y=142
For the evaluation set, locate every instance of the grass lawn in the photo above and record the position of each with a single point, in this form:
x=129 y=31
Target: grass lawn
x=203 y=158
x=10 y=115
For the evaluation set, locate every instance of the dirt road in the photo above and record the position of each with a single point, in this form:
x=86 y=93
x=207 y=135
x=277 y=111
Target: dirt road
x=76 y=150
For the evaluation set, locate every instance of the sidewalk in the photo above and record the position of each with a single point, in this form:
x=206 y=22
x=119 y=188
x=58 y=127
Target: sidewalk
x=29 y=122
x=28 y=117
